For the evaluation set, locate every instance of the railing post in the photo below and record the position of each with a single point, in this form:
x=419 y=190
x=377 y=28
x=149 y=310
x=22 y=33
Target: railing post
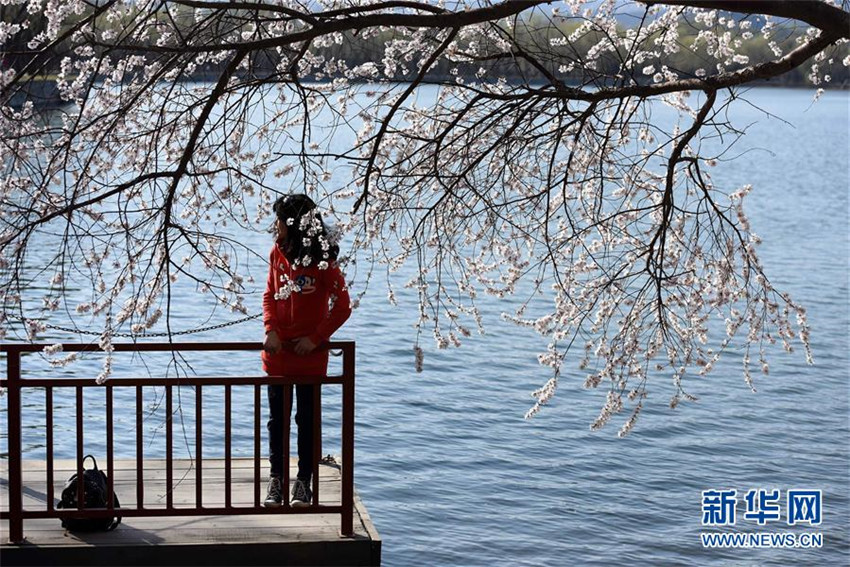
x=81 y=498
x=287 y=416
x=228 y=502
x=16 y=504
x=169 y=448
x=347 y=522
x=257 y=436
x=140 y=458
x=48 y=422
x=199 y=447
x=110 y=449
x=317 y=439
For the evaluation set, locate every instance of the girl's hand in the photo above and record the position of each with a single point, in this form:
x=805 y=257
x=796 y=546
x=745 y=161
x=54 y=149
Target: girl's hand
x=303 y=346
x=272 y=343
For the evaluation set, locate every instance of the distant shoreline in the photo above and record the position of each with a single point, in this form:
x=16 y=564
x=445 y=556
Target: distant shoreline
x=44 y=94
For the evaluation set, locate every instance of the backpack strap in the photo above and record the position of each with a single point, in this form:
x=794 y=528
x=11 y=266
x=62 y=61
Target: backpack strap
x=115 y=504
x=92 y=460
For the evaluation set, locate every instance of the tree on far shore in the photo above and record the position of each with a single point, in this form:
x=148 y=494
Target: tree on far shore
x=540 y=166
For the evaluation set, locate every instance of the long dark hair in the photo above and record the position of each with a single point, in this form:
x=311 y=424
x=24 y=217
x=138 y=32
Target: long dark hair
x=307 y=241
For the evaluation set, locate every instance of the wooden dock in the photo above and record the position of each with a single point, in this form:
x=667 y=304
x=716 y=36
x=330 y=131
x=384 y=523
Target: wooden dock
x=259 y=539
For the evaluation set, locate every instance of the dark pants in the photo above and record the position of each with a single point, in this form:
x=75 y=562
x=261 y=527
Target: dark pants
x=304 y=420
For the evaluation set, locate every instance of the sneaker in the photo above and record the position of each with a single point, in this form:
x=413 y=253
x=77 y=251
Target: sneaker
x=301 y=493
x=274 y=498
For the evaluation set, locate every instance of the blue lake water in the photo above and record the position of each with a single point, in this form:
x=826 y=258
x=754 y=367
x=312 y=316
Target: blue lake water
x=453 y=475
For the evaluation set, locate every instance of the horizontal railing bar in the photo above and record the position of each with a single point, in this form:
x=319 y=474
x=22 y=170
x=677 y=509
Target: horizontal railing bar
x=191 y=381
x=158 y=347
x=160 y=512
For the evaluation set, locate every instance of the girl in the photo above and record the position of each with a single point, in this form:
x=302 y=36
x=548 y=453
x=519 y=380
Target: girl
x=304 y=279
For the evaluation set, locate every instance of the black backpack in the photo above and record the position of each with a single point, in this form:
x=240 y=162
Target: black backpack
x=95 y=494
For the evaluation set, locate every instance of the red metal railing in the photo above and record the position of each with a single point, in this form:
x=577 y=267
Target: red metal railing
x=15 y=383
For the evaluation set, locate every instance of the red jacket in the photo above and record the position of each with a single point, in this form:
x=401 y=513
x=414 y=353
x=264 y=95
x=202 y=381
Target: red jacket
x=302 y=310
